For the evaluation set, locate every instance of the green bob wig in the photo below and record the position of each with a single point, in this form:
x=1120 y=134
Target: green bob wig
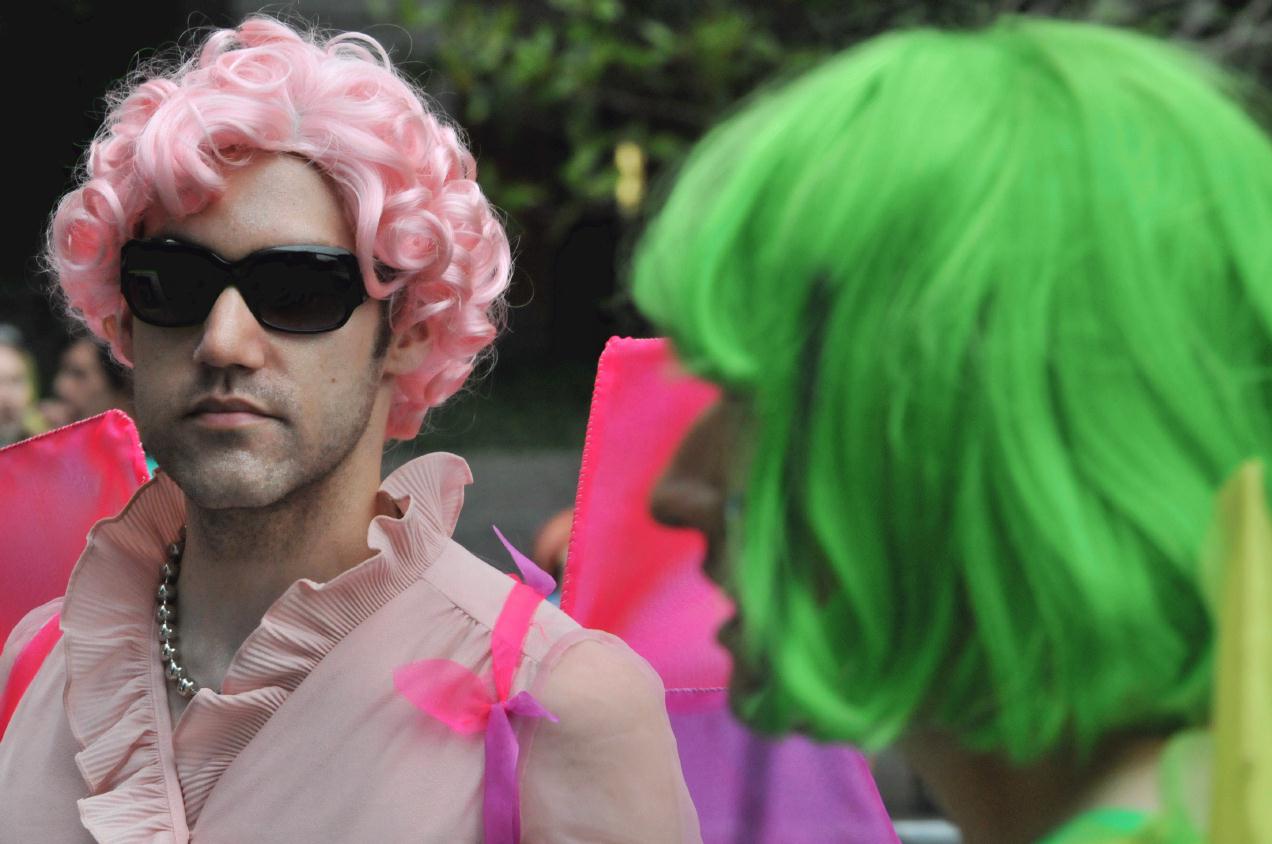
x=1000 y=305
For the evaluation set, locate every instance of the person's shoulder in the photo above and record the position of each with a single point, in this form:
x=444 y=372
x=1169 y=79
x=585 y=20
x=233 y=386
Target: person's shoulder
x=22 y=634
x=479 y=590
x=596 y=685
x=24 y=631
x=605 y=767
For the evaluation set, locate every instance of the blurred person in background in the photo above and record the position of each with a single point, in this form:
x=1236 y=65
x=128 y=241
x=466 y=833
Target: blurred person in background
x=56 y=412
x=551 y=546
x=19 y=417
x=90 y=381
x=992 y=311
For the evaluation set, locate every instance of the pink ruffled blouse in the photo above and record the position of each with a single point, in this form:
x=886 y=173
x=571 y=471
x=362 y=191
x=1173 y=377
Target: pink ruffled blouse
x=309 y=740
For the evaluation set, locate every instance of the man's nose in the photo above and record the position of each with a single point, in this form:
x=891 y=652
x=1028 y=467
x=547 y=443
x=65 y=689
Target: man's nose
x=231 y=335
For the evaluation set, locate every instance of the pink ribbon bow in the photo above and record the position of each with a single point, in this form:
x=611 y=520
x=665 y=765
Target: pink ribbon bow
x=467 y=703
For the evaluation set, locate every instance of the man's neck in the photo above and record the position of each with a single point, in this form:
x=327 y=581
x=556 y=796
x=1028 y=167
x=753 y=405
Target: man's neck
x=238 y=562
x=992 y=800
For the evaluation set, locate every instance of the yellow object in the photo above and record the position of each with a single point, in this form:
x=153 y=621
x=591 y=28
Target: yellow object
x=629 y=189
x=1238 y=578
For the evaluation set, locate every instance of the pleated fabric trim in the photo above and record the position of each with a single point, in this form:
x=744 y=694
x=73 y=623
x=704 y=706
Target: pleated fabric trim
x=114 y=678
x=116 y=699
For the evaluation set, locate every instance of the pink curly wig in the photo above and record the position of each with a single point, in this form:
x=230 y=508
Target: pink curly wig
x=404 y=176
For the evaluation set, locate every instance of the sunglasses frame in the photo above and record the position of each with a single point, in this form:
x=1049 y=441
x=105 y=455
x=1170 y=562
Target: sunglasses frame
x=237 y=274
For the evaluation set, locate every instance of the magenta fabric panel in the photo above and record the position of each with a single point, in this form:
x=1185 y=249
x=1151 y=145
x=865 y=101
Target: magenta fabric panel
x=625 y=573
x=632 y=577
x=53 y=489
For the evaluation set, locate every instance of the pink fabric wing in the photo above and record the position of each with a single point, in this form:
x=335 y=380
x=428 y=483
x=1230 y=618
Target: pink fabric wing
x=644 y=582
x=626 y=574
x=53 y=489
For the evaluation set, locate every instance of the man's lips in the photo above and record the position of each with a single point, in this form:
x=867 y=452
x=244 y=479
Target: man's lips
x=227 y=413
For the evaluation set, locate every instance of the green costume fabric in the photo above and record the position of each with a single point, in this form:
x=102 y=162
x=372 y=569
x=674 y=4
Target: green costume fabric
x=1104 y=826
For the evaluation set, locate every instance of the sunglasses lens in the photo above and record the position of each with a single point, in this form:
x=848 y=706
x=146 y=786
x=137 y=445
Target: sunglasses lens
x=169 y=286
x=298 y=289
x=304 y=291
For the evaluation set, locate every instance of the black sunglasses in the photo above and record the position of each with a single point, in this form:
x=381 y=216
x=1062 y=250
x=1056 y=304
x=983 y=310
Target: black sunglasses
x=298 y=289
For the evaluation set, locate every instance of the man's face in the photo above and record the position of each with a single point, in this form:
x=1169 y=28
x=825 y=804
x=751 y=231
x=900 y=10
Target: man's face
x=82 y=383
x=15 y=389
x=240 y=415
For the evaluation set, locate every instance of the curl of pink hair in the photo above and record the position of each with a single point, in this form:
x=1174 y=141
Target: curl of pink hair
x=404 y=176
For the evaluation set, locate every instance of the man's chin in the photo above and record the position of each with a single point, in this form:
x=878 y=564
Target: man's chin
x=236 y=496
x=232 y=499
x=234 y=484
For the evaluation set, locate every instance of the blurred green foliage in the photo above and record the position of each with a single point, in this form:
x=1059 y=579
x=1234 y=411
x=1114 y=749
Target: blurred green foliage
x=548 y=88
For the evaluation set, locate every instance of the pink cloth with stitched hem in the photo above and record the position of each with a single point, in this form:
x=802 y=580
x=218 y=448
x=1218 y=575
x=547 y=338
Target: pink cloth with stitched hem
x=53 y=488
x=626 y=574
x=644 y=582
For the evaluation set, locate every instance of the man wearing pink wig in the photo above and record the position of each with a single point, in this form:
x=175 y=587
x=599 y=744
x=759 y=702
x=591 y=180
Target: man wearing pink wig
x=290 y=250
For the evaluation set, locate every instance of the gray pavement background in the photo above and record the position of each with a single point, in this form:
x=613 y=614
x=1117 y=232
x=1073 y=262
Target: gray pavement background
x=516 y=490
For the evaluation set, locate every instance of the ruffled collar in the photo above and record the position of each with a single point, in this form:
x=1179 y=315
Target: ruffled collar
x=140 y=788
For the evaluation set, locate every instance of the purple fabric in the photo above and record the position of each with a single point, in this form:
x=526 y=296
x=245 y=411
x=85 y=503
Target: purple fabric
x=762 y=791
x=501 y=804
x=533 y=576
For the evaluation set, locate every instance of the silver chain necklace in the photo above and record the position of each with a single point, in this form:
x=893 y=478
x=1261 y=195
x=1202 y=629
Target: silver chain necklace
x=166 y=615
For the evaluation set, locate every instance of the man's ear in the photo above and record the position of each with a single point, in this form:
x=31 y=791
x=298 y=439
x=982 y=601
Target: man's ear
x=118 y=329
x=407 y=350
